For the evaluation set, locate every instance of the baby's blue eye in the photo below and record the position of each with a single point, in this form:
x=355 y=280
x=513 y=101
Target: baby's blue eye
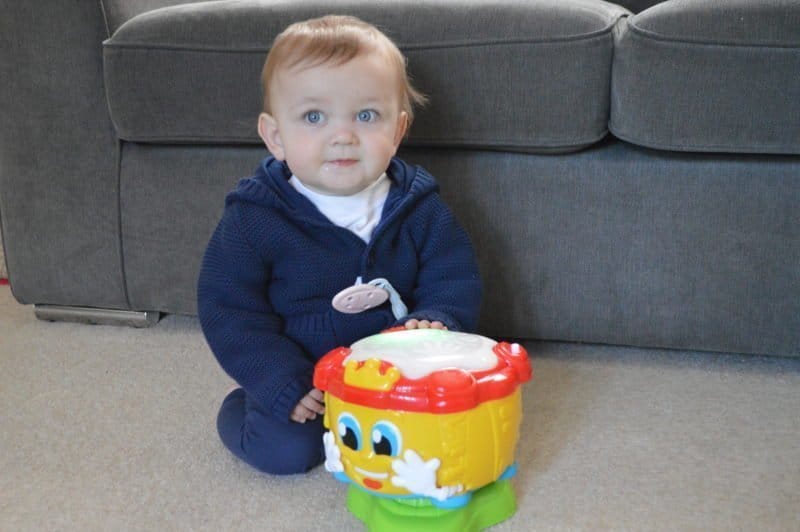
x=367 y=115
x=313 y=117
x=386 y=439
x=349 y=431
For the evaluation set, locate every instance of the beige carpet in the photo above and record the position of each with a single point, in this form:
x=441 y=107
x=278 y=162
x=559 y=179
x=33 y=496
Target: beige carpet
x=105 y=428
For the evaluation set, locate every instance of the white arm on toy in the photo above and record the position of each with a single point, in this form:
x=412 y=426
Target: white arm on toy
x=333 y=463
x=419 y=477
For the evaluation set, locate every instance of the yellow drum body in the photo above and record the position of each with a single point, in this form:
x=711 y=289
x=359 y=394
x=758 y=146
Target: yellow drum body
x=422 y=413
x=474 y=447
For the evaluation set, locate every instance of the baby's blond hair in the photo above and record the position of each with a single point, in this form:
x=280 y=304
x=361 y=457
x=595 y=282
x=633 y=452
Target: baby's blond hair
x=335 y=39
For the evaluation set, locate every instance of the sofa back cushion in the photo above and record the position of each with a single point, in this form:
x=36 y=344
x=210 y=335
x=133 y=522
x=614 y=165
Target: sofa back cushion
x=117 y=12
x=522 y=76
x=710 y=76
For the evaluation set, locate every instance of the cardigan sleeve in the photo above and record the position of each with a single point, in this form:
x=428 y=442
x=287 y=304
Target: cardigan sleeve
x=448 y=287
x=240 y=325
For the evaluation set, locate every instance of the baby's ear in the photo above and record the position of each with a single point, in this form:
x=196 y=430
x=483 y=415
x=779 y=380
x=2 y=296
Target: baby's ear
x=268 y=131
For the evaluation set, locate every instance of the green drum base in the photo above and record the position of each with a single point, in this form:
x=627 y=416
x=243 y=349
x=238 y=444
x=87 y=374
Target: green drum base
x=489 y=505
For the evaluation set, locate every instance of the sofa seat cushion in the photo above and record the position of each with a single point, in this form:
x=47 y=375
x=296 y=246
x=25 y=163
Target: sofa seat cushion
x=527 y=76
x=710 y=76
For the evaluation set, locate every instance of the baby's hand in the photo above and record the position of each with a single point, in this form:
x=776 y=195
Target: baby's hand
x=309 y=406
x=425 y=324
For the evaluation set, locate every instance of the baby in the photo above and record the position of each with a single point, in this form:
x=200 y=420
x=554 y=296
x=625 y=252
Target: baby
x=331 y=211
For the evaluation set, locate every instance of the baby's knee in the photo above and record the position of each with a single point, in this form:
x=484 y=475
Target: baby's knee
x=269 y=445
x=288 y=449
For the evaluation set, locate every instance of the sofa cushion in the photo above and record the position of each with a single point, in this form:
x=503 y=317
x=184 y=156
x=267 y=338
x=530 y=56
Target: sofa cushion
x=530 y=76
x=710 y=75
x=117 y=12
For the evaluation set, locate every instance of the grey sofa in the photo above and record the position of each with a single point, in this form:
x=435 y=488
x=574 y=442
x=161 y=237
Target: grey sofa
x=629 y=174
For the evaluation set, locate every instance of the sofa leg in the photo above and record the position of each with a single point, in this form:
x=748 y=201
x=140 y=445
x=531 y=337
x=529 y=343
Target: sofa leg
x=97 y=316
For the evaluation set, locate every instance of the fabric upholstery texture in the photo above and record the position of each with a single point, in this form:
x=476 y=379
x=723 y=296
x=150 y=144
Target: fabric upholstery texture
x=58 y=158
x=710 y=75
x=615 y=244
x=553 y=59
x=625 y=245
x=174 y=226
x=117 y=12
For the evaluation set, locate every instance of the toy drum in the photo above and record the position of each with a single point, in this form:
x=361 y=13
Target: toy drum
x=424 y=413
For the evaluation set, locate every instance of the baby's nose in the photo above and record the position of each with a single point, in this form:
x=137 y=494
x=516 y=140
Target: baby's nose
x=344 y=135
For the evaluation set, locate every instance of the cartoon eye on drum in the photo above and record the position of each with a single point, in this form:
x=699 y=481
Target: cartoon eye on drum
x=423 y=414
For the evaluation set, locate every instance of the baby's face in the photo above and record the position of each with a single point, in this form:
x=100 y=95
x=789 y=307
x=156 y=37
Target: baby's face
x=336 y=126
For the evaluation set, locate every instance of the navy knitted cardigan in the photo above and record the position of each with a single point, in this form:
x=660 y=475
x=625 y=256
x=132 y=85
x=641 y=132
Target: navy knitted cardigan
x=275 y=261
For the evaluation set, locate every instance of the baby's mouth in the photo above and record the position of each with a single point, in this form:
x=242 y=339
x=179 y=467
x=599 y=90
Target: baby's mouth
x=341 y=163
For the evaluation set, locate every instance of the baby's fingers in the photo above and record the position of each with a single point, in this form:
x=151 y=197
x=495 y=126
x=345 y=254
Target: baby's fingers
x=425 y=324
x=317 y=394
x=301 y=414
x=314 y=406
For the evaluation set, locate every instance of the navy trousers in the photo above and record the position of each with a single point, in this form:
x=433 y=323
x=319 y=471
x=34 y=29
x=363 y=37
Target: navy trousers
x=266 y=443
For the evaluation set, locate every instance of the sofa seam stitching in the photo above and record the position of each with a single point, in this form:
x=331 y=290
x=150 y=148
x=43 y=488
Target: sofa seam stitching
x=596 y=35
x=641 y=32
x=614 y=129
